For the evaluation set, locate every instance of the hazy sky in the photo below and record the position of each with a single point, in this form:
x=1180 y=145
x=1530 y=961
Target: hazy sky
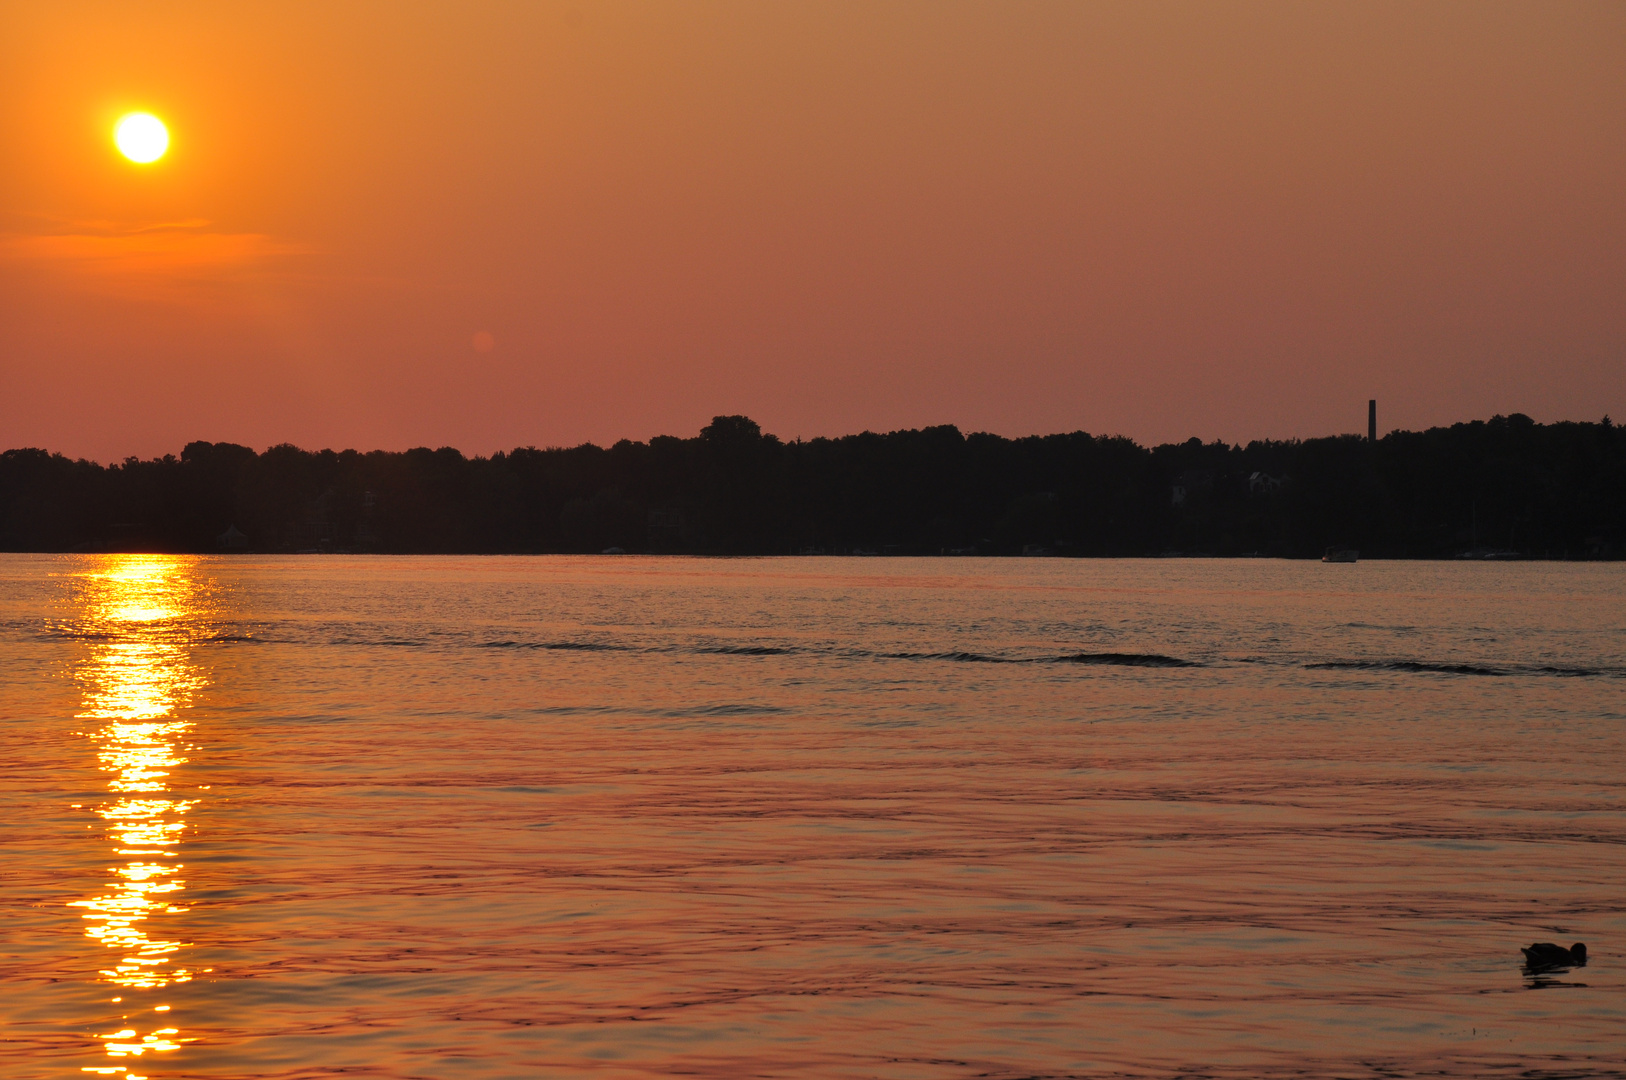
x=490 y=224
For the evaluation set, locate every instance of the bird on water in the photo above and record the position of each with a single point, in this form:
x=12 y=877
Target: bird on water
x=1544 y=954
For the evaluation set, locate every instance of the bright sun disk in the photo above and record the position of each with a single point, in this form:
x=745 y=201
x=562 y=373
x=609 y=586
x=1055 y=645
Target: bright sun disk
x=141 y=137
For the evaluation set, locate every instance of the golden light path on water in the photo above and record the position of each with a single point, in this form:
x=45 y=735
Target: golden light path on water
x=140 y=613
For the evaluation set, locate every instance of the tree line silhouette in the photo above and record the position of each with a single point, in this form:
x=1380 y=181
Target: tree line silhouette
x=1489 y=488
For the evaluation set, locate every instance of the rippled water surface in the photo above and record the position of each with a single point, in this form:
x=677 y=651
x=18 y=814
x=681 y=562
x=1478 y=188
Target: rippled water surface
x=507 y=817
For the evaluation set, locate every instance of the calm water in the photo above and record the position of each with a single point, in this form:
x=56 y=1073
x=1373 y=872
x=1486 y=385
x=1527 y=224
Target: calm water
x=510 y=817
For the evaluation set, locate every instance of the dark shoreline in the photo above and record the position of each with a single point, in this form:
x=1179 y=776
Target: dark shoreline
x=1503 y=489
x=92 y=549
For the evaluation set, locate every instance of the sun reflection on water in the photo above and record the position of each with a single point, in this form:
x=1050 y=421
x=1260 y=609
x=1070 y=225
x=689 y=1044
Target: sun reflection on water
x=142 y=616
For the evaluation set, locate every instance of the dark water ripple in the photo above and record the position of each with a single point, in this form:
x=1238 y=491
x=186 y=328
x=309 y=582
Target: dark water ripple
x=454 y=642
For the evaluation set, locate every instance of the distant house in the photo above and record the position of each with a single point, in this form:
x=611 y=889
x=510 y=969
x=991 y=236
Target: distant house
x=665 y=529
x=366 y=536
x=233 y=539
x=1188 y=484
x=317 y=531
x=1262 y=483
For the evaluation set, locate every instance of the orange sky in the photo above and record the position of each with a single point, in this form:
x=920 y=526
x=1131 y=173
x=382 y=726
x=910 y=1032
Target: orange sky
x=1229 y=220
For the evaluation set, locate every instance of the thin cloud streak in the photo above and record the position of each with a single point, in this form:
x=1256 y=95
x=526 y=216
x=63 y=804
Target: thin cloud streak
x=171 y=248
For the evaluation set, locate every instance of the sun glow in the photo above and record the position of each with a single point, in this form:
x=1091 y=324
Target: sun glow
x=141 y=137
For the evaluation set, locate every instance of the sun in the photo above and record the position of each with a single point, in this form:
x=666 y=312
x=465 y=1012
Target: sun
x=141 y=137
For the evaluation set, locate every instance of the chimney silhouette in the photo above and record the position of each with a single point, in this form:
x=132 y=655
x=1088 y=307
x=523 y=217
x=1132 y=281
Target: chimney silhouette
x=1372 y=420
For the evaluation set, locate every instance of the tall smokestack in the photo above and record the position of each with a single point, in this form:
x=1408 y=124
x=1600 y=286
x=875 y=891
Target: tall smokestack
x=1372 y=420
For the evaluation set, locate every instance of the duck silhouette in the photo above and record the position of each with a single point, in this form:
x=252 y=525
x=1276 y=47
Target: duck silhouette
x=1544 y=955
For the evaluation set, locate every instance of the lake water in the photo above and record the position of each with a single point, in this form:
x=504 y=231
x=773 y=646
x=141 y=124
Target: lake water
x=626 y=817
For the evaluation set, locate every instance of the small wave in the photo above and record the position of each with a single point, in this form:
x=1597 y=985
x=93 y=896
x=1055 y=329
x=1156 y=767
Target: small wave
x=957 y=657
x=1120 y=659
x=743 y=650
x=1404 y=665
x=725 y=710
x=556 y=646
x=72 y=634
x=1107 y=658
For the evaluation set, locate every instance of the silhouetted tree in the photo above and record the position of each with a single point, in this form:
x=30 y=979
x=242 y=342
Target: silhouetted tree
x=1508 y=484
